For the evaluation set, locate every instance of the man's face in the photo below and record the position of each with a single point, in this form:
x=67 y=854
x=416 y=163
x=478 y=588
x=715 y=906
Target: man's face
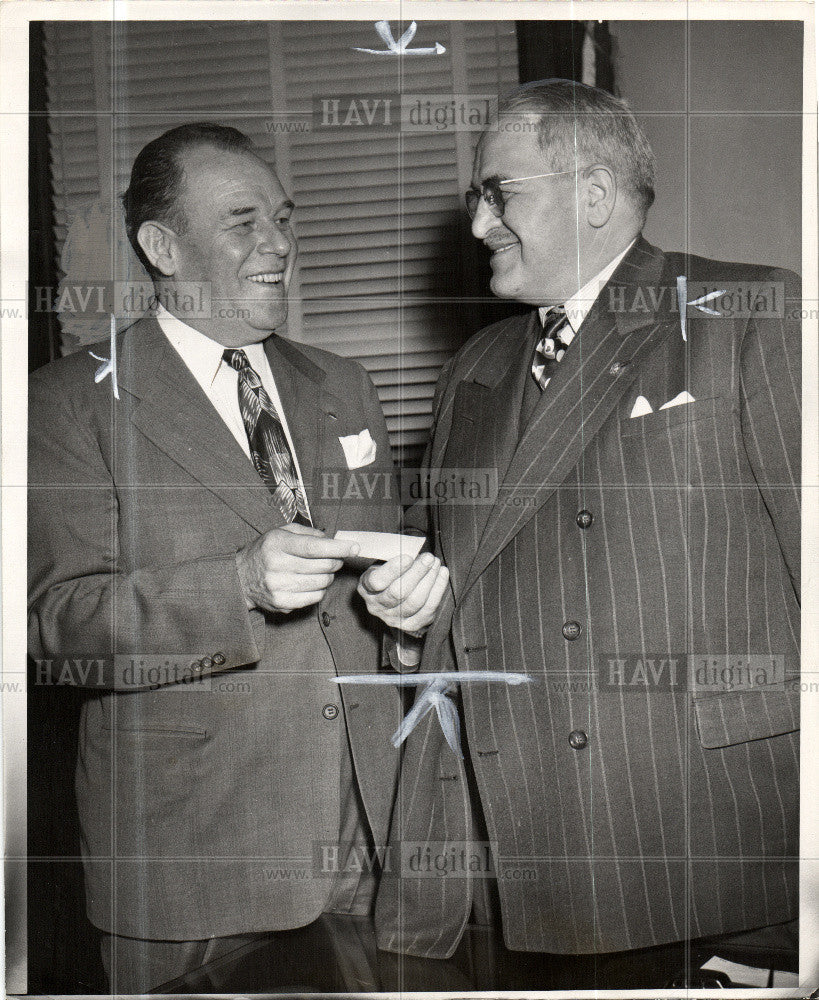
x=536 y=244
x=238 y=239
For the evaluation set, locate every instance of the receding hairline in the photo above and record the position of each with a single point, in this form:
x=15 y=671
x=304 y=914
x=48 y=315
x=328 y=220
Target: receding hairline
x=183 y=156
x=575 y=123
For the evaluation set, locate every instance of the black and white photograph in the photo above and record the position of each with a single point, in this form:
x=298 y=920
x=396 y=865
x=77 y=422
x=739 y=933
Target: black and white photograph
x=410 y=476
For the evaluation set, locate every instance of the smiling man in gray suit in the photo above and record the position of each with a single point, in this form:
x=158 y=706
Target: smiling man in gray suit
x=640 y=563
x=179 y=545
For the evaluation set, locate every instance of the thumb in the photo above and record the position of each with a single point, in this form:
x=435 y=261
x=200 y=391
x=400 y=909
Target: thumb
x=378 y=578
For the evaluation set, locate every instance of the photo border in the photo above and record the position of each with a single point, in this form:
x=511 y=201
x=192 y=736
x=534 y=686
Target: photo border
x=15 y=16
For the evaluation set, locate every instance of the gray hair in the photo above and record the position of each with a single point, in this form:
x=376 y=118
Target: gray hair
x=578 y=125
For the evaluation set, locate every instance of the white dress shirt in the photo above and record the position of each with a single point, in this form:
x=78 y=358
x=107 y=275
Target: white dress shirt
x=578 y=306
x=219 y=381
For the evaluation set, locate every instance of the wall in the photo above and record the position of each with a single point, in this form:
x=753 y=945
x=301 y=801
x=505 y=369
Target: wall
x=721 y=104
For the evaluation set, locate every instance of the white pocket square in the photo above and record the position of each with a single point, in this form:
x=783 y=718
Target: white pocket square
x=641 y=407
x=359 y=449
x=679 y=400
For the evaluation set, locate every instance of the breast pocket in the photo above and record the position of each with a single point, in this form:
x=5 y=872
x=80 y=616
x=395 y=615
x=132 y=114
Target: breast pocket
x=662 y=421
x=693 y=444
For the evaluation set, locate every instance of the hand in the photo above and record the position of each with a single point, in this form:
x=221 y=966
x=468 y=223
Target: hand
x=290 y=567
x=403 y=592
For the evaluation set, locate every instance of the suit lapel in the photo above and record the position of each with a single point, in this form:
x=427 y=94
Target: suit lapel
x=174 y=413
x=584 y=390
x=484 y=433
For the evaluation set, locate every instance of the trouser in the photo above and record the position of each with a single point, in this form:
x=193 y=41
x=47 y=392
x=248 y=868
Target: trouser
x=136 y=965
x=337 y=953
x=675 y=965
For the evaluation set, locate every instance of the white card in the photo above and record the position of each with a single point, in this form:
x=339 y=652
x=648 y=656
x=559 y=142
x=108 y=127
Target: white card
x=382 y=544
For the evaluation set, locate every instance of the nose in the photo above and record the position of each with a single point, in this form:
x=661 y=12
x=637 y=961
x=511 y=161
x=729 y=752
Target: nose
x=275 y=238
x=484 y=221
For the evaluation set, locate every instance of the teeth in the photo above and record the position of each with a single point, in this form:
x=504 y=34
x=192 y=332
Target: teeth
x=501 y=249
x=266 y=279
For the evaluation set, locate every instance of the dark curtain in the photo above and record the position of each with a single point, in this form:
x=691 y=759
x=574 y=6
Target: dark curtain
x=42 y=281
x=554 y=49
x=63 y=947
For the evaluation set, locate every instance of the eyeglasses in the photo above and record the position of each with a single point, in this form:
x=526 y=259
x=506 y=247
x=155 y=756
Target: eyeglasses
x=492 y=194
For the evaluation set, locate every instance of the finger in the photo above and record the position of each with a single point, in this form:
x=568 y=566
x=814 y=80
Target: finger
x=297 y=564
x=311 y=581
x=302 y=529
x=377 y=578
x=401 y=573
x=413 y=600
x=277 y=558
x=436 y=593
x=320 y=547
x=400 y=589
x=278 y=584
x=293 y=601
x=425 y=615
x=302 y=566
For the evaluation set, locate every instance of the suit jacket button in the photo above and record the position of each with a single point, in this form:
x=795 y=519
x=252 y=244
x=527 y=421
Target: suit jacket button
x=196 y=666
x=219 y=659
x=325 y=621
x=206 y=663
x=572 y=630
x=577 y=739
x=330 y=711
x=584 y=519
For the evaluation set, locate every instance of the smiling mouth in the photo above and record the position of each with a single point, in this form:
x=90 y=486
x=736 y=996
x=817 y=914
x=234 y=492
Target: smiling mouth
x=502 y=248
x=268 y=278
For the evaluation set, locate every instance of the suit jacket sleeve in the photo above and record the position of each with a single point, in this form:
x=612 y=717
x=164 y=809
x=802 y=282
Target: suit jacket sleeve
x=81 y=602
x=418 y=517
x=418 y=520
x=771 y=415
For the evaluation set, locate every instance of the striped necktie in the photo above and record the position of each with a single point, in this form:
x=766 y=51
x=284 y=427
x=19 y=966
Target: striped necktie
x=268 y=443
x=550 y=348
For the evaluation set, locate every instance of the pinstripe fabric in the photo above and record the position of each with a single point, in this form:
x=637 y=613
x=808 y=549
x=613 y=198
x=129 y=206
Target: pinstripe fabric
x=678 y=818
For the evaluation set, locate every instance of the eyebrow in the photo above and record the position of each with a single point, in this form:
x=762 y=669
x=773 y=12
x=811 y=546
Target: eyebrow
x=234 y=212
x=496 y=178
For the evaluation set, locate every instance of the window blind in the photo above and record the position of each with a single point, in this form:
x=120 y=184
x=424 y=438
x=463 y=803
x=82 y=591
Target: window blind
x=383 y=273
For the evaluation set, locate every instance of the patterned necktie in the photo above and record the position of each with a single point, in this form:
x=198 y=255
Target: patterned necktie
x=550 y=348
x=268 y=443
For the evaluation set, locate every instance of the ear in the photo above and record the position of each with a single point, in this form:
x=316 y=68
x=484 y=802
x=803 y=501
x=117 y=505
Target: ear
x=601 y=194
x=158 y=243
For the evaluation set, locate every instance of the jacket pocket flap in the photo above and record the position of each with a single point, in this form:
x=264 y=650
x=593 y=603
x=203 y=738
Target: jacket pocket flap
x=732 y=717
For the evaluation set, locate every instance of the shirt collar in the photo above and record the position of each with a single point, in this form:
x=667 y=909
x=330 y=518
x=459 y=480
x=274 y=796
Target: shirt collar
x=202 y=355
x=579 y=305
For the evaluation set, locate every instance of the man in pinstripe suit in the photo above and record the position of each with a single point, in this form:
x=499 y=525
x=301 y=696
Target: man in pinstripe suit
x=640 y=563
